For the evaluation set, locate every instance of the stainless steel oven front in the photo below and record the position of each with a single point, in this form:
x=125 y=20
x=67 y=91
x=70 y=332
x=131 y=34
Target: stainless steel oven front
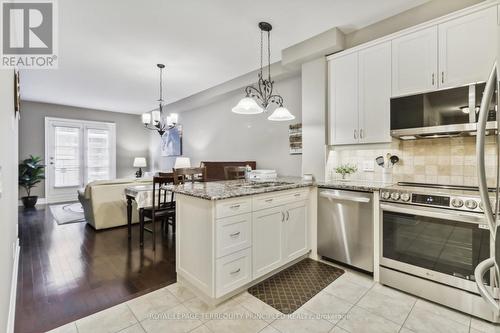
x=442 y=245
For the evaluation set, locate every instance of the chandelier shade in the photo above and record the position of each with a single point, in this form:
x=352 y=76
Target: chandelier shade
x=247 y=105
x=281 y=114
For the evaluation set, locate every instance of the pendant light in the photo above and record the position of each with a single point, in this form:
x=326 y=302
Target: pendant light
x=154 y=120
x=258 y=99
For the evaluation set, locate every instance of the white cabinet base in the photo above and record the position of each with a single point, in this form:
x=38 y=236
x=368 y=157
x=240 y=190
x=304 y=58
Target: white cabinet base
x=216 y=240
x=214 y=301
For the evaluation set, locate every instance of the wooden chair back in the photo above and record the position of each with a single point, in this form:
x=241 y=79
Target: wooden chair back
x=234 y=172
x=190 y=174
x=160 y=193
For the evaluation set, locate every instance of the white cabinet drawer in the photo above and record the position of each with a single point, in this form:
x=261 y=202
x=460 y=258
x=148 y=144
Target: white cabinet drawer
x=230 y=207
x=299 y=195
x=274 y=199
x=233 y=271
x=233 y=234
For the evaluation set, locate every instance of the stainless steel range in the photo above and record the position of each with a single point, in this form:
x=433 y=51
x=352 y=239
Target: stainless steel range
x=432 y=239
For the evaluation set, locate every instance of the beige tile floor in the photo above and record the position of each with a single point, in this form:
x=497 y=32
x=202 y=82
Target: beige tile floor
x=353 y=304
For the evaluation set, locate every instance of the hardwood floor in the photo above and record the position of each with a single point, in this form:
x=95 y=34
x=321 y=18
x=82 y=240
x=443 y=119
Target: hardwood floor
x=67 y=272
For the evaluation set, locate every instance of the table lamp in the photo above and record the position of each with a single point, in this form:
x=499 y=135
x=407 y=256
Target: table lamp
x=182 y=162
x=139 y=162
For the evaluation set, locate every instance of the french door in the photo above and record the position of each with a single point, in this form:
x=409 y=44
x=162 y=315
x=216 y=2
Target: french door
x=77 y=152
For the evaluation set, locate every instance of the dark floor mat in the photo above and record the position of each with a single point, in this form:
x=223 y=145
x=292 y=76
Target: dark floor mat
x=290 y=289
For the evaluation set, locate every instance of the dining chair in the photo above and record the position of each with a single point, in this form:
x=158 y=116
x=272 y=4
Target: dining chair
x=161 y=209
x=234 y=172
x=190 y=174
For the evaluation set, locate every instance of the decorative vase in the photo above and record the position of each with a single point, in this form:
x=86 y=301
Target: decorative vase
x=29 y=202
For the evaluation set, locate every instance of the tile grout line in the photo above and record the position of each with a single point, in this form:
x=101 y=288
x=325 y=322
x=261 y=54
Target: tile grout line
x=133 y=314
x=407 y=316
x=379 y=315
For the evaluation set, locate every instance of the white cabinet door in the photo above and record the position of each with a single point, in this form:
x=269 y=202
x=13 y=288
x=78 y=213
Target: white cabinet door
x=343 y=100
x=267 y=237
x=467 y=48
x=415 y=62
x=295 y=229
x=375 y=94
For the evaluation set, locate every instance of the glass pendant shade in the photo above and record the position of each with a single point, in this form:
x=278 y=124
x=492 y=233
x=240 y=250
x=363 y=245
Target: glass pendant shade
x=247 y=105
x=156 y=116
x=281 y=114
x=146 y=118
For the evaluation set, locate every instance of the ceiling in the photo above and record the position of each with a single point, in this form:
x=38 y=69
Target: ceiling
x=108 y=50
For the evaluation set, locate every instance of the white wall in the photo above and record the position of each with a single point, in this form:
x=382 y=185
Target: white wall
x=9 y=190
x=214 y=133
x=314 y=80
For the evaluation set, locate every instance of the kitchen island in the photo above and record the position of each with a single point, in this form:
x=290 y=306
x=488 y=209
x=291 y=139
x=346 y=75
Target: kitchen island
x=233 y=234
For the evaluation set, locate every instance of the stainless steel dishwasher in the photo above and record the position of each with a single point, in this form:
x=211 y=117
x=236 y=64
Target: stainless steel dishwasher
x=345 y=227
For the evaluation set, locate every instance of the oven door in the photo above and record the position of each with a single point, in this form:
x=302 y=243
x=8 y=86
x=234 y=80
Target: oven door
x=436 y=244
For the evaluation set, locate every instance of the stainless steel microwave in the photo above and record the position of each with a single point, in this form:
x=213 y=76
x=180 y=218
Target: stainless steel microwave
x=443 y=113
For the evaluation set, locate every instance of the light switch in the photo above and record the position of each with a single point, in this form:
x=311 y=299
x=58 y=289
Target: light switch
x=368 y=166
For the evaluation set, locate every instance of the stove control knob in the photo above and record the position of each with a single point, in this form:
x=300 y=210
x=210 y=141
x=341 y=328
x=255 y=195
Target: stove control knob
x=471 y=204
x=385 y=195
x=457 y=203
x=405 y=197
x=395 y=196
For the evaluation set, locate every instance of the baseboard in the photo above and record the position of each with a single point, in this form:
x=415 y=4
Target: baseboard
x=41 y=201
x=13 y=291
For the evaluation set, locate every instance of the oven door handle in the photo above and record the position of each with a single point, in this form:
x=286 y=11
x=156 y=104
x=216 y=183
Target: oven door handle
x=481 y=269
x=435 y=213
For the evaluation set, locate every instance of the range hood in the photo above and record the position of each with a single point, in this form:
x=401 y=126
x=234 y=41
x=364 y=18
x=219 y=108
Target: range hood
x=439 y=114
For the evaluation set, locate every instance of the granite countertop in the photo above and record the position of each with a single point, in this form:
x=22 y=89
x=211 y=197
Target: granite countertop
x=219 y=190
x=355 y=185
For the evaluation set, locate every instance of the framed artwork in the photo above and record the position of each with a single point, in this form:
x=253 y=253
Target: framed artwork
x=17 y=93
x=171 y=142
x=295 y=139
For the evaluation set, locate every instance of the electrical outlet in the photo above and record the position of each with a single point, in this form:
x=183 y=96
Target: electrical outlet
x=368 y=166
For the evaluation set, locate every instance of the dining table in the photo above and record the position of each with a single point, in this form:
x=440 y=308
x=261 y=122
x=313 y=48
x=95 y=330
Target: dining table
x=143 y=197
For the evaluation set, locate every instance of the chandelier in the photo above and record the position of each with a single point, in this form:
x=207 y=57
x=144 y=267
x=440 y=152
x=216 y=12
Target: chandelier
x=263 y=93
x=154 y=120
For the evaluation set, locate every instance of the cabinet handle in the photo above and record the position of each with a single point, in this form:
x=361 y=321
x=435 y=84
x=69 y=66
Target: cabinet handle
x=433 y=79
x=236 y=271
x=287 y=215
x=355 y=134
x=269 y=200
x=282 y=217
x=361 y=133
x=235 y=234
x=442 y=77
x=235 y=206
x=296 y=195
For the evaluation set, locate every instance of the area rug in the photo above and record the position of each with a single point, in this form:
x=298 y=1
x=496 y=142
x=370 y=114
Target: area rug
x=293 y=287
x=68 y=213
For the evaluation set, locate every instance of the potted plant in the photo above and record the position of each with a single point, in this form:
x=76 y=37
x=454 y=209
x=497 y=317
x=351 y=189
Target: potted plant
x=31 y=173
x=346 y=169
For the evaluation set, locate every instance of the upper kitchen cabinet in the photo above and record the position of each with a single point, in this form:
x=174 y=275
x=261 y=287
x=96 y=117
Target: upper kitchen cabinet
x=456 y=52
x=359 y=96
x=467 y=48
x=415 y=62
x=374 y=93
x=343 y=100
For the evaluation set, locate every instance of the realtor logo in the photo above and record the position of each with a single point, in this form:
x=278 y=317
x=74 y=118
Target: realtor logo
x=29 y=38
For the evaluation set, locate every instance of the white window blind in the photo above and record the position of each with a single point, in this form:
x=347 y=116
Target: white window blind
x=67 y=157
x=98 y=155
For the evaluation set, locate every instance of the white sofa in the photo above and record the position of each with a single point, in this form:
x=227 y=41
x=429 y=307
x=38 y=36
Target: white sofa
x=104 y=202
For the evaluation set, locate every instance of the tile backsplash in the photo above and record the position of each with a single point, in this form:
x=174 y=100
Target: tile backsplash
x=442 y=161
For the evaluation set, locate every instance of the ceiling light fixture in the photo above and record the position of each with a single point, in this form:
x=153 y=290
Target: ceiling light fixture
x=154 y=120
x=263 y=93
